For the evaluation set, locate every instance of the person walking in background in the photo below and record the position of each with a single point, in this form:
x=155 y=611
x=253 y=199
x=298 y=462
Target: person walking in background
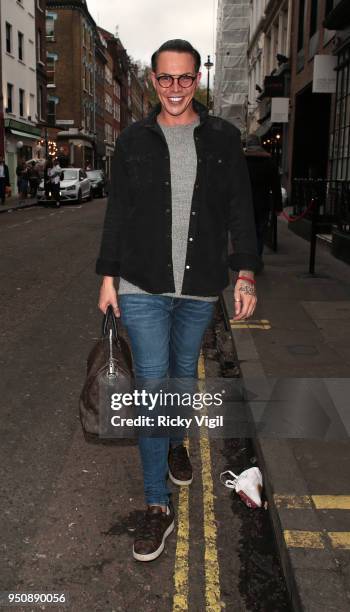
x=54 y=176
x=166 y=238
x=34 y=179
x=266 y=186
x=22 y=179
x=4 y=179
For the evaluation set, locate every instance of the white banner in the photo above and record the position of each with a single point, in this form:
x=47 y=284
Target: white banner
x=325 y=76
x=279 y=110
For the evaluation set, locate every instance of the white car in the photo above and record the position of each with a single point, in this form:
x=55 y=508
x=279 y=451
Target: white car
x=74 y=186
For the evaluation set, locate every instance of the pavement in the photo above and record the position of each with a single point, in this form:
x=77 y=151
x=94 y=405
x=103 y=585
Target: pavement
x=295 y=355
x=14 y=203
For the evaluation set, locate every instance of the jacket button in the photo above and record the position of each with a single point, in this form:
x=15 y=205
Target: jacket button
x=199 y=161
x=196 y=185
x=167 y=210
x=193 y=212
x=167 y=182
x=169 y=265
x=219 y=161
x=190 y=239
x=187 y=267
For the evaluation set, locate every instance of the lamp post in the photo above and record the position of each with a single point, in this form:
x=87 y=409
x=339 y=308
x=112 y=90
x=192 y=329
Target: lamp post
x=208 y=64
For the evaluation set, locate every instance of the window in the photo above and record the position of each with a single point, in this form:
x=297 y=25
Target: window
x=301 y=24
x=108 y=103
x=108 y=73
x=50 y=27
x=313 y=17
x=340 y=153
x=20 y=46
x=9 y=108
x=116 y=89
x=21 y=102
x=51 y=68
x=8 y=37
x=40 y=101
x=38 y=45
x=51 y=112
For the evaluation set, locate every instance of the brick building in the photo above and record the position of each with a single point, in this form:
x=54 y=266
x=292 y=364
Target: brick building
x=40 y=41
x=101 y=61
x=71 y=36
x=121 y=74
x=110 y=128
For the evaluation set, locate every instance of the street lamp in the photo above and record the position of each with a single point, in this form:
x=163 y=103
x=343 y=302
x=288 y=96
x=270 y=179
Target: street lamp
x=208 y=64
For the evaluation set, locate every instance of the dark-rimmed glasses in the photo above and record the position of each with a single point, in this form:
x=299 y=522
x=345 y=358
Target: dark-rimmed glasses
x=184 y=80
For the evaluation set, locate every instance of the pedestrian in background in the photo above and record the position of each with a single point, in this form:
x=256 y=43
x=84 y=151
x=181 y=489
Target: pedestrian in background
x=22 y=179
x=54 y=176
x=166 y=238
x=34 y=179
x=266 y=186
x=4 y=179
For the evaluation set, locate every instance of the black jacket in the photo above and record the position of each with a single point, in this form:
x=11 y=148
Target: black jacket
x=265 y=181
x=136 y=240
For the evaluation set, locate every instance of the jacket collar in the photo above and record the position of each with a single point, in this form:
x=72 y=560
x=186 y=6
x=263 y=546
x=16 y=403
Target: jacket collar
x=199 y=108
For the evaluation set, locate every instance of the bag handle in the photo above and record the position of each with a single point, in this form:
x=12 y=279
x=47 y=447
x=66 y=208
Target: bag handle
x=110 y=322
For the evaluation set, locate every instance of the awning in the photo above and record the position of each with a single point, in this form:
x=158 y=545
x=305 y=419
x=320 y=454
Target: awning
x=25 y=135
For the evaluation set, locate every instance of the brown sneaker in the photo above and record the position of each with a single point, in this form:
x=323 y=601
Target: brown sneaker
x=152 y=532
x=180 y=468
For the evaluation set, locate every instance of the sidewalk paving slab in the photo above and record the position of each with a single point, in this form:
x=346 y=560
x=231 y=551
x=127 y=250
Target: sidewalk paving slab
x=14 y=203
x=308 y=337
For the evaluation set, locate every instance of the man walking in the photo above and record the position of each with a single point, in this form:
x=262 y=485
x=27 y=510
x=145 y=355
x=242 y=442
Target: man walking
x=4 y=179
x=266 y=186
x=179 y=185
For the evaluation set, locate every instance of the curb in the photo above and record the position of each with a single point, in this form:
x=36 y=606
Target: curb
x=18 y=207
x=312 y=576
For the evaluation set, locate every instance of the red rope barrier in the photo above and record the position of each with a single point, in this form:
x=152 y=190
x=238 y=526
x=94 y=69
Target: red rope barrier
x=297 y=217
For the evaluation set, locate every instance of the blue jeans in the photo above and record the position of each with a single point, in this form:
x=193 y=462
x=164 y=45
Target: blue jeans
x=166 y=335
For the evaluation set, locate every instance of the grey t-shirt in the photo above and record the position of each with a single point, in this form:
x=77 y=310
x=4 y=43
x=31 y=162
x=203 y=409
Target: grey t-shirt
x=183 y=170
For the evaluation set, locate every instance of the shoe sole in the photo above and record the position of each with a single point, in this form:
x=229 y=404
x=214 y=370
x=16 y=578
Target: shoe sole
x=184 y=483
x=156 y=553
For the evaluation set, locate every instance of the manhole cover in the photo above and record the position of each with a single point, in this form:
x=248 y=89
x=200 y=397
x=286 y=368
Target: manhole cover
x=302 y=349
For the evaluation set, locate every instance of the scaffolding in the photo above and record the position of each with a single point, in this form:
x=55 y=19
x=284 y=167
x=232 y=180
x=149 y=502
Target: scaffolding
x=231 y=64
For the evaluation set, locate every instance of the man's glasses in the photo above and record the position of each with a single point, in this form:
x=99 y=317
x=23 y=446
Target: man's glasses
x=184 y=80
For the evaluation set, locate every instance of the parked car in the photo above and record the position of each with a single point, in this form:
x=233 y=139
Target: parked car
x=74 y=186
x=98 y=182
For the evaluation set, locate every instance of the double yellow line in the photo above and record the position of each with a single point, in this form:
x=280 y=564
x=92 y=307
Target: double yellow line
x=212 y=572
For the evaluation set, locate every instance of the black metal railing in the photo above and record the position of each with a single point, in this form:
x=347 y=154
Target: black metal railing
x=326 y=203
x=331 y=197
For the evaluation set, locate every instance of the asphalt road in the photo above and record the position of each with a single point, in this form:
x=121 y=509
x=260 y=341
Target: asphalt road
x=68 y=508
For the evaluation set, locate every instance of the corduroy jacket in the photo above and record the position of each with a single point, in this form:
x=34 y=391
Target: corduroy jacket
x=137 y=240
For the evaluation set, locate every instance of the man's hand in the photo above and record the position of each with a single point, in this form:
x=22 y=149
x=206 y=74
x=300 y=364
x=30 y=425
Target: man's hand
x=244 y=296
x=108 y=296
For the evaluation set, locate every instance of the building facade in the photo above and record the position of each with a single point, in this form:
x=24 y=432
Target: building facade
x=70 y=38
x=19 y=83
x=269 y=75
x=231 y=65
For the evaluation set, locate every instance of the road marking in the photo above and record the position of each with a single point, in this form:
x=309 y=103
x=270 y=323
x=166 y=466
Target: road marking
x=292 y=501
x=304 y=539
x=250 y=324
x=340 y=539
x=321 y=502
x=212 y=573
x=331 y=502
x=180 y=603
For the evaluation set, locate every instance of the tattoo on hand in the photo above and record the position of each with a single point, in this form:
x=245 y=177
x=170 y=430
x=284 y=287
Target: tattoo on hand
x=248 y=289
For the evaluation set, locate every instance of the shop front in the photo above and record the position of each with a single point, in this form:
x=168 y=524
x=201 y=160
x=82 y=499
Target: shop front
x=21 y=141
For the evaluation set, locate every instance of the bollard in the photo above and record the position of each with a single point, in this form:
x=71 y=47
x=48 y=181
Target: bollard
x=313 y=237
